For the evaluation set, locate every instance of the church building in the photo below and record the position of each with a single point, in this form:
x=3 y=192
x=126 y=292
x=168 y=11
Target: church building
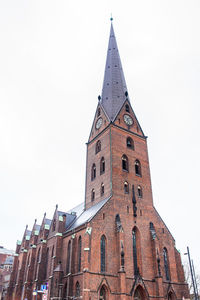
x=115 y=245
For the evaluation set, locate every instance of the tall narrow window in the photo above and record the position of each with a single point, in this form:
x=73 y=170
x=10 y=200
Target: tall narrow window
x=78 y=290
x=79 y=253
x=130 y=143
x=38 y=256
x=92 y=195
x=102 y=189
x=166 y=264
x=102 y=165
x=103 y=293
x=68 y=257
x=98 y=112
x=139 y=191
x=127 y=109
x=138 y=168
x=125 y=163
x=93 y=172
x=135 y=252
x=54 y=225
x=103 y=253
x=47 y=261
x=126 y=187
x=98 y=147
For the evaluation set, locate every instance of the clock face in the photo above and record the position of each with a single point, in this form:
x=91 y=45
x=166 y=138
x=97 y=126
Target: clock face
x=128 y=120
x=99 y=123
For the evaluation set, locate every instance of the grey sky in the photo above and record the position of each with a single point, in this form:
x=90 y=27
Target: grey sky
x=52 y=58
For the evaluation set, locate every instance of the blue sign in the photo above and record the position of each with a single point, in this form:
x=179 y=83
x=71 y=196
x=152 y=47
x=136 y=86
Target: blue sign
x=43 y=287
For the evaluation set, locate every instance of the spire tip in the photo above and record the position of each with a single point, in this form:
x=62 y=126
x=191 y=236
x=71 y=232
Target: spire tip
x=111 y=18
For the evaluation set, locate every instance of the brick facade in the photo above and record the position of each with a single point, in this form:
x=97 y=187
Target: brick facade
x=115 y=245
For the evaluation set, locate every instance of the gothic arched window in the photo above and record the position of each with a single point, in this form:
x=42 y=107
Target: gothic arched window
x=102 y=165
x=166 y=264
x=93 y=172
x=54 y=225
x=98 y=112
x=126 y=187
x=103 y=253
x=79 y=253
x=92 y=195
x=125 y=163
x=139 y=189
x=102 y=189
x=68 y=257
x=78 y=290
x=102 y=293
x=98 y=146
x=127 y=109
x=129 y=143
x=38 y=256
x=138 y=168
x=135 y=262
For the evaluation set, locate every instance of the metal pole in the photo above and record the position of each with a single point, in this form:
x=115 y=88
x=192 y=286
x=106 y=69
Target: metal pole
x=195 y=281
x=188 y=252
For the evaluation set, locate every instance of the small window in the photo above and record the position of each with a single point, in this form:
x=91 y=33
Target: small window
x=125 y=163
x=98 y=147
x=54 y=225
x=126 y=187
x=138 y=168
x=139 y=191
x=98 y=112
x=102 y=165
x=93 y=172
x=78 y=290
x=127 y=109
x=130 y=143
x=102 y=189
x=127 y=208
x=92 y=195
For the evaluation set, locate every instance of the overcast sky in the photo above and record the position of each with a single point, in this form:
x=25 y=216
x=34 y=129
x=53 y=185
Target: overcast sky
x=52 y=58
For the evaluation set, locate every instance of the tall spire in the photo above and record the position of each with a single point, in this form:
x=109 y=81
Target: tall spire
x=114 y=85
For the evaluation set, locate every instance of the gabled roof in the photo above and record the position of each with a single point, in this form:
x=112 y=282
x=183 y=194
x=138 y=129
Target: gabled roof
x=114 y=85
x=87 y=215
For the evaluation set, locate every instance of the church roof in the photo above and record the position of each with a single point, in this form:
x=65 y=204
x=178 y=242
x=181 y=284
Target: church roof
x=114 y=85
x=86 y=215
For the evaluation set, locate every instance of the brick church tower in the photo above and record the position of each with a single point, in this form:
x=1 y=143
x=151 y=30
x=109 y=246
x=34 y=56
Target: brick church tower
x=114 y=245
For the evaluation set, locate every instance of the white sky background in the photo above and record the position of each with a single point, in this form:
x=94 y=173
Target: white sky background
x=52 y=58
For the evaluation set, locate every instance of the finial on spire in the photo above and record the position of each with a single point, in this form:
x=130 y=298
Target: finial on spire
x=111 y=18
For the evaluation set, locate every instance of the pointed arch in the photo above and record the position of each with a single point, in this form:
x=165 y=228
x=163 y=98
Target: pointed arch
x=125 y=166
x=139 y=191
x=68 y=257
x=138 y=171
x=103 y=253
x=102 y=166
x=102 y=189
x=171 y=295
x=127 y=108
x=137 y=263
x=103 y=293
x=130 y=143
x=93 y=172
x=92 y=195
x=126 y=187
x=77 y=290
x=140 y=293
x=166 y=264
x=98 y=147
x=79 y=253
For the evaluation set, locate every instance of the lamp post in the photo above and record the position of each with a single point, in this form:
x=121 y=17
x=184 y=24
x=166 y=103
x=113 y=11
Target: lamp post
x=192 y=275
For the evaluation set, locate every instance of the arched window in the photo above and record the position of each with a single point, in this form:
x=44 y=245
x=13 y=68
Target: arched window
x=68 y=257
x=98 y=112
x=139 y=189
x=103 y=253
x=38 y=256
x=126 y=187
x=98 y=147
x=102 y=189
x=102 y=165
x=93 y=172
x=127 y=109
x=92 y=195
x=102 y=293
x=125 y=163
x=138 y=168
x=135 y=252
x=166 y=264
x=129 y=143
x=78 y=290
x=79 y=253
